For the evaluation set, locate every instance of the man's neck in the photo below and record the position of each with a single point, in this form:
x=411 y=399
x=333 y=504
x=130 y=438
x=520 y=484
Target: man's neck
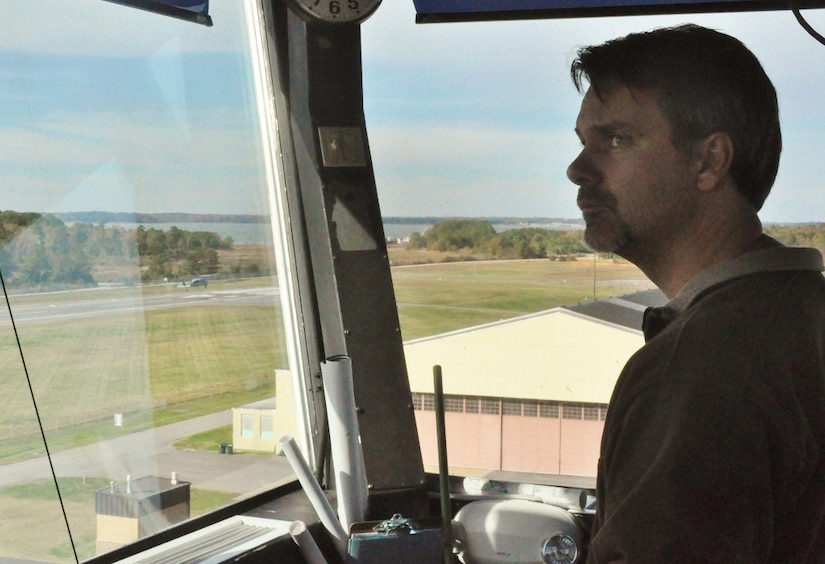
x=712 y=245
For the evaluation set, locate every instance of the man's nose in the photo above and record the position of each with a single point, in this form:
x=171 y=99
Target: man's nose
x=580 y=171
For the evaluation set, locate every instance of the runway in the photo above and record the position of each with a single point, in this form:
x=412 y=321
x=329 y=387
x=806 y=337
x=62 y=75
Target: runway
x=54 y=306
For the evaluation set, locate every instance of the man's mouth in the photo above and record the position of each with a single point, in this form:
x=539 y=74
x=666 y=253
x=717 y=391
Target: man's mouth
x=592 y=200
x=591 y=206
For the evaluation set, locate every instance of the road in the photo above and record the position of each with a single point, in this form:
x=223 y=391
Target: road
x=63 y=305
x=151 y=453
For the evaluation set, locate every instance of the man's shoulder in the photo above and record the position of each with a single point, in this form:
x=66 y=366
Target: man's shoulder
x=734 y=329
x=762 y=296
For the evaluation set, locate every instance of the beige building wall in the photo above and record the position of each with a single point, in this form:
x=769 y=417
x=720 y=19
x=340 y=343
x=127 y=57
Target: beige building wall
x=114 y=531
x=557 y=355
x=281 y=413
x=286 y=414
x=253 y=427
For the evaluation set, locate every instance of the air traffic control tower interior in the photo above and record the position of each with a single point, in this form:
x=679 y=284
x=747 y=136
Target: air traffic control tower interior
x=360 y=491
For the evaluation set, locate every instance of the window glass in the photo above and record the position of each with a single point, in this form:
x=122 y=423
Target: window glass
x=471 y=405
x=471 y=129
x=247 y=426
x=511 y=407
x=550 y=410
x=136 y=248
x=267 y=427
x=455 y=404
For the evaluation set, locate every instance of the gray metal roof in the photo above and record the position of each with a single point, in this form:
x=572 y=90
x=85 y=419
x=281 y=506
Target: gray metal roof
x=626 y=311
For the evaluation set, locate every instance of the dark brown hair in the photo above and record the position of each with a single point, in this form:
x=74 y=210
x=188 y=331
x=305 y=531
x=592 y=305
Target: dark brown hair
x=705 y=82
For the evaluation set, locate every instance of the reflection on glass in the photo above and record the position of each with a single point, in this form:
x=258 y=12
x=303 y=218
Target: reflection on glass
x=136 y=249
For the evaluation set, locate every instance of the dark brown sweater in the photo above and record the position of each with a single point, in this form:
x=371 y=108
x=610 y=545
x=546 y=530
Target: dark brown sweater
x=714 y=443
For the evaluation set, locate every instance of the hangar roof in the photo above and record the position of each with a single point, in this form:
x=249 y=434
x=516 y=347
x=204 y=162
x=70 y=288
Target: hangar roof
x=626 y=310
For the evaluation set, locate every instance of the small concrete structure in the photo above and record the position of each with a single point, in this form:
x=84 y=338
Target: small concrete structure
x=253 y=426
x=137 y=508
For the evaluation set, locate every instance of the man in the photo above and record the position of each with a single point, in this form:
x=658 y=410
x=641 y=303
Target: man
x=714 y=444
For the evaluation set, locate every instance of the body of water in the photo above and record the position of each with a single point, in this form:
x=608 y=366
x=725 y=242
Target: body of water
x=241 y=233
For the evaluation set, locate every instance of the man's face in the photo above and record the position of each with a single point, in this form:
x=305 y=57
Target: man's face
x=635 y=189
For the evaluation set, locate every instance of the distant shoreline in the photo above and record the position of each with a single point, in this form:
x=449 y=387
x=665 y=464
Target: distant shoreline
x=558 y=223
x=175 y=217
x=149 y=218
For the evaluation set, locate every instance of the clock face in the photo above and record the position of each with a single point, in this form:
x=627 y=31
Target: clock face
x=338 y=11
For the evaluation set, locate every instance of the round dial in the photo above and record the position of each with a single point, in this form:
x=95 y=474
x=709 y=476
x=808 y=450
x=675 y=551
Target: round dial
x=337 y=11
x=560 y=549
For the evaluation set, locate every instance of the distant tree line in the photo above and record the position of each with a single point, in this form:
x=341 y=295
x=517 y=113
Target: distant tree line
x=177 y=252
x=479 y=236
x=41 y=251
x=799 y=235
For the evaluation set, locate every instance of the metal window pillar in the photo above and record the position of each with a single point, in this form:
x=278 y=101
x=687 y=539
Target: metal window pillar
x=342 y=269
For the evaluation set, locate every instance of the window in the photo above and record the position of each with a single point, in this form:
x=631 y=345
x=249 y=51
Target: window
x=267 y=427
x=490 y=406
x=247 y=426
x=136 y=244
x=591 y=412
x=471 y=405
x=468 y=138
x=454 y=404
x=571 y=411
x=511 y=407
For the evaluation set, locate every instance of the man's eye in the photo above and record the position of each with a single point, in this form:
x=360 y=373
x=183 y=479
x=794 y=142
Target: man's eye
x=616 y=140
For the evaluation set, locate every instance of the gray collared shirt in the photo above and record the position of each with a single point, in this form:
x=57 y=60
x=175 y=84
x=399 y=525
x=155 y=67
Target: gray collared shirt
x=772 y=259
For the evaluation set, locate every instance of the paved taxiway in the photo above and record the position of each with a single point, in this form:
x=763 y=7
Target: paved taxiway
x=151 y=453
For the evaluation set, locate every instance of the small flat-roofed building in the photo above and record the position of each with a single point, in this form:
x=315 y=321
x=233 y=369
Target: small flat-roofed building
x=133 y=509
x=258 y=426
x=253 y=426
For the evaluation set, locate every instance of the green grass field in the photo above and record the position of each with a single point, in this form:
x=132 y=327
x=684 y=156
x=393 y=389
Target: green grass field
x=158 y=366
x=47 y=540
x=437 y=298
x=206 y=440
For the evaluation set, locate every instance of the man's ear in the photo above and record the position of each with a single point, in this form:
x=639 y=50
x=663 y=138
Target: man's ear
x=713 y=155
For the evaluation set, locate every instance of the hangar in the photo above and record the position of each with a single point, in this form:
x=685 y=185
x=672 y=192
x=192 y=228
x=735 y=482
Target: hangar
x=541 y=410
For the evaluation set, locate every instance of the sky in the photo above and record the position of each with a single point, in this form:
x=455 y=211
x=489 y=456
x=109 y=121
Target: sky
x=109 y=108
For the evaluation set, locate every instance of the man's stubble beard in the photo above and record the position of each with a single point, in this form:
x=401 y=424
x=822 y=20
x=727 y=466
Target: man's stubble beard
x=607 y=234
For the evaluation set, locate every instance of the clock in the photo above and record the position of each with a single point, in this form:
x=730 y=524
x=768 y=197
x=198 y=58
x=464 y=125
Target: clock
x=336 y=11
